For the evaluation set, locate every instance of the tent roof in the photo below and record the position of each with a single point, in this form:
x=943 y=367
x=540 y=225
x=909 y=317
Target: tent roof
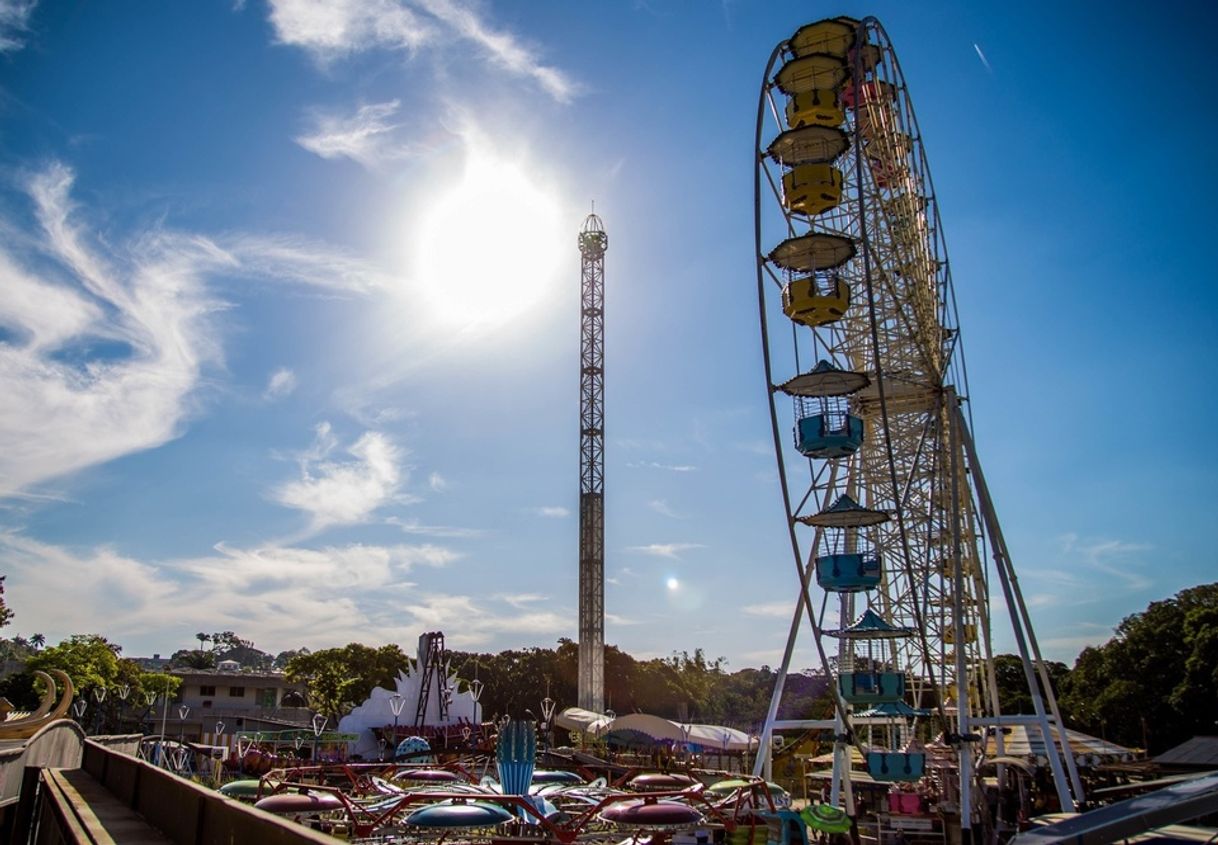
x=665 y=730
x=578 y=719
x=1025 y=742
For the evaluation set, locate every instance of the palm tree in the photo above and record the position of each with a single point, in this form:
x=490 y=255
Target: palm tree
x=38 y=641
x=202 y=638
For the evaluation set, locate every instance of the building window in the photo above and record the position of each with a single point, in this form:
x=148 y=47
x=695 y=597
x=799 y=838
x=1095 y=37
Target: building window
x=236 y=692
x=266 y=697
x=207 y=704
x=207 y=690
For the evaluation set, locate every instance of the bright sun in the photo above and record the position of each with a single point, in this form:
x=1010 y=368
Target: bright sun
x=673 y=583
x=489 y=247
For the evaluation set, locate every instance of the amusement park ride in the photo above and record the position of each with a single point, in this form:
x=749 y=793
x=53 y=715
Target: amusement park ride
x=893 y=531
x=593 y=242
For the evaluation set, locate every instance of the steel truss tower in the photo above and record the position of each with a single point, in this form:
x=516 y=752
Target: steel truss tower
x=592 y=245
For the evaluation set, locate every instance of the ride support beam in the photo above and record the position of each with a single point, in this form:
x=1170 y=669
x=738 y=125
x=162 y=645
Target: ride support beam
x=1020 y=625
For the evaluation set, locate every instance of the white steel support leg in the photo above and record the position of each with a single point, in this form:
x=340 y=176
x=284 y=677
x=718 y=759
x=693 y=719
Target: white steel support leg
x=963 y=700
x=763 y=765
x=1018 y=619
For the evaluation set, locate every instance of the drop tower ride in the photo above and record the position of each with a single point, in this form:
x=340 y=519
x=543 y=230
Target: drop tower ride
x=592 y=245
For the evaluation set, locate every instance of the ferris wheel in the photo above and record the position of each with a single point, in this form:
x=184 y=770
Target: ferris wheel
x=893 y=532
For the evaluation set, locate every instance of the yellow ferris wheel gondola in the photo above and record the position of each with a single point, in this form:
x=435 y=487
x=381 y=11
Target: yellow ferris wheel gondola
x=810 y=301
x=815 y=107
x=812 y=189
x=834 y=37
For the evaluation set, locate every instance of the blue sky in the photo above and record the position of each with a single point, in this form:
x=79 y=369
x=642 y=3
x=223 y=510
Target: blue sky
x=289 y=325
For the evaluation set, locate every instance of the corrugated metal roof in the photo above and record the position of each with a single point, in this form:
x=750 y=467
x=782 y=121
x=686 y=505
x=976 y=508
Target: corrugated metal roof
x=1022 y=741
x=1200 y=751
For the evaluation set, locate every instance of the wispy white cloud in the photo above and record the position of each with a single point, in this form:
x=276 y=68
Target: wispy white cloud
x=502 y=48
x=521 y=600
x=1115 y=558
x=14 y=23
x=472 y=625
x=437 y=482
x=551 y=511
x=292 y=259
x=357 y=407
x=773 y=608
x=47 y=314
x=104 y=357
x=279 y=596
x=108 y=339
x=615 y=619
x=332 y=29
x=672 y=551
x=343 y=492
x=366 y=137
x=661 y=507
x=414 y=526
x=281 y=383
x=658 y=465
x=353 y=566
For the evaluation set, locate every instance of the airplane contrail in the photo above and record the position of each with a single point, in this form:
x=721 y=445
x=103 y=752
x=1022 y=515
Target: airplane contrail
x=981 y=56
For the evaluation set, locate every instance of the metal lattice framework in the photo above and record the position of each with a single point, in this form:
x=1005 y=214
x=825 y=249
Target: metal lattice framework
x=867 y=247
x=593 y=242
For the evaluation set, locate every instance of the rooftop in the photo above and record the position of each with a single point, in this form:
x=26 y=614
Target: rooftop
x=1198 y=752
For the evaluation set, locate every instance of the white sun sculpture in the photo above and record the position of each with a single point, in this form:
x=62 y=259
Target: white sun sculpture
x=377 y=710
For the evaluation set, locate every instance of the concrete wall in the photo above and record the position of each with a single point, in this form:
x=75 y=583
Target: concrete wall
x=186 y=813
x=59 y=744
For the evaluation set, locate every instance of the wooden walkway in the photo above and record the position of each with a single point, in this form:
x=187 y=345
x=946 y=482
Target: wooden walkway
x=89 y=813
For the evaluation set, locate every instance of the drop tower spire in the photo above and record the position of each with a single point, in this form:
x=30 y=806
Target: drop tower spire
x=593 y=242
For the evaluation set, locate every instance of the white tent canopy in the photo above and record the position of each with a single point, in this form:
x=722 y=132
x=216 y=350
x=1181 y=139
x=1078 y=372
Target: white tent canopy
x=584 y=721
x=1022 y=741
x=708 y=736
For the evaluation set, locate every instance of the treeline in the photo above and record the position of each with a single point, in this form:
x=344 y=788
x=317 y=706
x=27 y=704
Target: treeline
x=1153 y=685
x=516 y=682
x=685 y=687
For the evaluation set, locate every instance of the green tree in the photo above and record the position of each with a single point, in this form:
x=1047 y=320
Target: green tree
x=6 y=614
x=516 y=680
x=338 y=679
x=282 y=658
x=89 y=660
x=1013 y=695
x=226 y=645
x=1155 y=683
x=93 y=663
x=192 y=658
